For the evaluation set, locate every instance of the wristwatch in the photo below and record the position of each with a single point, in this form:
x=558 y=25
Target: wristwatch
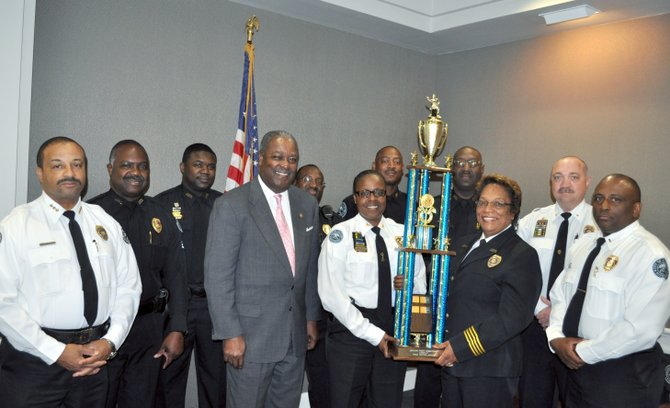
x=113 y=353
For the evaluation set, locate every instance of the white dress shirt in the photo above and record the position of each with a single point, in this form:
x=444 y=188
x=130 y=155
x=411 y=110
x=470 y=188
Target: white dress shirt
x=272 y=202
x=40 y=278
x=627 y=302
x=580 y=222
x=347 y=277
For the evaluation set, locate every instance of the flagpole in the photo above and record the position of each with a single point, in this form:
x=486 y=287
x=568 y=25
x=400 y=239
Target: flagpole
x=244 y=159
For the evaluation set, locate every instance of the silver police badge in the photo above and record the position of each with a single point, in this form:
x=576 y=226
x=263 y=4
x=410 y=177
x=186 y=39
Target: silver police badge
x=661 y=268
x=335 y=236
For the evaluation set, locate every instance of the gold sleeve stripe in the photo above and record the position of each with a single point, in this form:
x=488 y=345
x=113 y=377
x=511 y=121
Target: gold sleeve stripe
x=473 y=341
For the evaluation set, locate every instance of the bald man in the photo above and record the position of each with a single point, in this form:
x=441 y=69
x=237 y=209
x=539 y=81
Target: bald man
x=571 y=217
x=388 y=162
x=610 y=305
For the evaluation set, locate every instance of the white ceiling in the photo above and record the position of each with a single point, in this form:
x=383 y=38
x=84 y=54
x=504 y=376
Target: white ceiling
x=446 y=26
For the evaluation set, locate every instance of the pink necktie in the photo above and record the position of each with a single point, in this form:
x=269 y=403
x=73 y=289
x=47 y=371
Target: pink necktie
x=285 y=233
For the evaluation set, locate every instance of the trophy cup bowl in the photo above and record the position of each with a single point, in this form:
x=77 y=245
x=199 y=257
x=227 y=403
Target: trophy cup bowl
x=432 y=133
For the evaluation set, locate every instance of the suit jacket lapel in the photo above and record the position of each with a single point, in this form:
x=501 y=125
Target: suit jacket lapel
x=476 y=254
x=262 y=215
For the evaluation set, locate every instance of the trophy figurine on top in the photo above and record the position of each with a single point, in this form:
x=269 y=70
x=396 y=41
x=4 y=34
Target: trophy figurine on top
x=420 y=319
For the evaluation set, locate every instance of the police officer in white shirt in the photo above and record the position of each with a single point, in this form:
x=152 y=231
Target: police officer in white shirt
x=360 y=332
x=569 y=181
x=63 y=314
x=610 y=305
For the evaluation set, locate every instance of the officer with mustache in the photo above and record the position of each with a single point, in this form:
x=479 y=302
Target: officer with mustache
x=541 y=228
x=69 y=286
x=156 y=242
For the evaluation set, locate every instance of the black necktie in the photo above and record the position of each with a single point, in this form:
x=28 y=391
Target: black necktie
x=574 y=312
x=87 y=277
x=558 y=261
x=384 y=310
x=481 y=247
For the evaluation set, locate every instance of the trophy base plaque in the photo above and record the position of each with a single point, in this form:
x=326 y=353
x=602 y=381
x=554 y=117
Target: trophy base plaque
x=418 y=348
x=414 y=353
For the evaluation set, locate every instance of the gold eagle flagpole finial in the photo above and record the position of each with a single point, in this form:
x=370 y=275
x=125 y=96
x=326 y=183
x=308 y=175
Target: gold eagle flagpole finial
x=253 y=24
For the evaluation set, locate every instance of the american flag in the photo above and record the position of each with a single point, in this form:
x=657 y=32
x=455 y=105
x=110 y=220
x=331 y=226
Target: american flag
x=244 y=161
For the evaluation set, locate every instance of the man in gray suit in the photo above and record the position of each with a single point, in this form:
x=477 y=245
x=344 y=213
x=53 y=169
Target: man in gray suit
x=260 y=277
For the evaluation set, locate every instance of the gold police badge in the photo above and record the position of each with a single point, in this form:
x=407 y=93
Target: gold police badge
x=494 y=261
x=156 y=223
x=326 y=229
x=102 y=232
x=611 y=262
x=589 y=228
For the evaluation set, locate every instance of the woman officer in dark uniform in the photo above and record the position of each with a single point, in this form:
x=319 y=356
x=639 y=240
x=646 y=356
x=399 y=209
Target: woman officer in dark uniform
x=494 y=283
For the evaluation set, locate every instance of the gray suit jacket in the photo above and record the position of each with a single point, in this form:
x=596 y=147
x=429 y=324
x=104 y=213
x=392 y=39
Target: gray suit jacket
x=250 y=288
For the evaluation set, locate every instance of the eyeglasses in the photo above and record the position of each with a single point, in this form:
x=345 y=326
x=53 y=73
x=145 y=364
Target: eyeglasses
x=318 y=181
x=380 y=192
x=498 y=205
x=474 y=163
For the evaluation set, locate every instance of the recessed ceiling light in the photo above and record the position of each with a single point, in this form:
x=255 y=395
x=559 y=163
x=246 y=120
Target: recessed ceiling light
x=572 y=13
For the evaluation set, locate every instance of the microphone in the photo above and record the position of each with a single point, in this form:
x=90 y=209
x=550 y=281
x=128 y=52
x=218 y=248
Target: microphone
x=328 y=212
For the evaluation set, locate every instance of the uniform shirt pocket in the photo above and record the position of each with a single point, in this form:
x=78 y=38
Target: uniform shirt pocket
x=604 y=292
x=52 y=268
x=361 y=269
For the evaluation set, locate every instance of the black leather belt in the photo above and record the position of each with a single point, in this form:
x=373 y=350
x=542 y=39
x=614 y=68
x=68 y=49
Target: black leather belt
x=197 y=292
x=80 y=336
x=154 y=305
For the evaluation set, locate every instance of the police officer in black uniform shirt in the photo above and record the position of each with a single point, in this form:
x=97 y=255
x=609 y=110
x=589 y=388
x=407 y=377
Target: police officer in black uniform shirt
x=190 y=204
x=310 y=178
x=467 y=169
x=133 y=374
x=388 y=162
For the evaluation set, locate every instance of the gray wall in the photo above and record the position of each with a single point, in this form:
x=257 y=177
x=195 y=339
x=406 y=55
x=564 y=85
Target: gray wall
x=602 y=93
x=168 y=73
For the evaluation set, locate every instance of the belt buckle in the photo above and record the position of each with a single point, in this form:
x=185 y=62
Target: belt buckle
x=84 y=336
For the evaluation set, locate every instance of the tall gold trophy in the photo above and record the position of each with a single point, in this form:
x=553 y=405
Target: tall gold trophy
x=419 y=319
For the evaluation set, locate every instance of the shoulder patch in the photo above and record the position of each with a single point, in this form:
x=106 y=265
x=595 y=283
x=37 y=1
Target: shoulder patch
x=661 y=268
x=667 y=374
x=335 y=236
x=125 y=237
x=342 y=211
